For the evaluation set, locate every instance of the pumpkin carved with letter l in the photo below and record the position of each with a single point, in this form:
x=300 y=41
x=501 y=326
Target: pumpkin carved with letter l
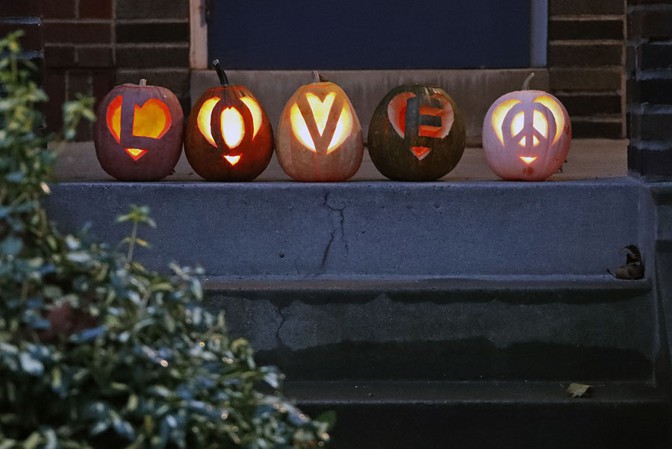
x=138 y=134
x=319 y=135
x=228 y=136
x=416 y=134
x=526 y=135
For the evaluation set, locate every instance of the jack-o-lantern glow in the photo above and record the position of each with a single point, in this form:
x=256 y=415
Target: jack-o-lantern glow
x=138 y=134
x=526 y=135
x=319 y=135
x=416 y=134
x=228 y=137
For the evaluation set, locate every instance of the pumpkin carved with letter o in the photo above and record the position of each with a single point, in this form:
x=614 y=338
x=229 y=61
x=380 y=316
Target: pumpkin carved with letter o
x=416 y=134
x=138 y=134
x=228 y=136
x=526 y=135
x=319 y=135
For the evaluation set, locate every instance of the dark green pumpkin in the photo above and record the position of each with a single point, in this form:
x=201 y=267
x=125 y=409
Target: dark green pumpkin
x=416 y=134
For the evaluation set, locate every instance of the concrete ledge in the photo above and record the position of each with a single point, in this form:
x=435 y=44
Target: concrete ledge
x=369 y=228
x=283 y=290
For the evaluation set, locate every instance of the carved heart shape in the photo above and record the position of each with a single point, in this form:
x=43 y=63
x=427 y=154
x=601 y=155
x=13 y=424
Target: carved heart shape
x=151 y=120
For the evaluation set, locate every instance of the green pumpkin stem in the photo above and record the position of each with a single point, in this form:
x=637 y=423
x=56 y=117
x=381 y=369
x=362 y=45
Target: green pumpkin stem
x=526 y=83
x=223 y=80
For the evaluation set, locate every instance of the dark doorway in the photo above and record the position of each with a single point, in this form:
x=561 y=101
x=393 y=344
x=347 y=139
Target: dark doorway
x=371 y=34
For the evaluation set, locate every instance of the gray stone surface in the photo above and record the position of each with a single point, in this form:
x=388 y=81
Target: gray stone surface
x=369 y=228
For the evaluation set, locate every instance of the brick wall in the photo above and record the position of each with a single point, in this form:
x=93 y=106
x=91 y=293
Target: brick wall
x=649 y=85
x=92 y=45
x=585 y=59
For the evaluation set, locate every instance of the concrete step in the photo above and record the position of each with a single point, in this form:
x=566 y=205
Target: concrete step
x=427 y=315
x=507 y=327
x=425 y=281
x=488 y=415
x=385 y=229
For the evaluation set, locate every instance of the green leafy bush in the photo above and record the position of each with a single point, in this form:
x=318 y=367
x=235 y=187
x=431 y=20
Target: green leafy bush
x=95 y=350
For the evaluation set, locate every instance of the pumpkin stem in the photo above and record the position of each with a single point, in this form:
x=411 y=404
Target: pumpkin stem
x=526 y=83
x=143 y=82
x=317 y=78
x=223 y=80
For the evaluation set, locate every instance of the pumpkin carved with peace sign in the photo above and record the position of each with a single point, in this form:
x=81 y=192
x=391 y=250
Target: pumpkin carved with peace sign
x=526 y=135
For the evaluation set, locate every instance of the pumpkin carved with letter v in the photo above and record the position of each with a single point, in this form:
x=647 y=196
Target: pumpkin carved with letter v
x=138 y=134
x=526 y=135
x=416 y=134
x=228 y=137
x=319 y=135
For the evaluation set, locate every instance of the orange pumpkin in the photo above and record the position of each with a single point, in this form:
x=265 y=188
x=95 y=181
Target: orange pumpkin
x=416 y=134
x=228 y=136
x=138 y=134
x=526 y=135
x=319 y=135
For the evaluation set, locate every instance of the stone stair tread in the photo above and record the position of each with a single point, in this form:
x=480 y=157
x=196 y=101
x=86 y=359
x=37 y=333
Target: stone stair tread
x=568 y=288
x=326 y=393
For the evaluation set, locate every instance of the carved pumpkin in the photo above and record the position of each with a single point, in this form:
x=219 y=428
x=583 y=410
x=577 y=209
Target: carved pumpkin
x=319 y=135
x=138 y=133
x=228 y=137
x=416 y=134
x=526 y=135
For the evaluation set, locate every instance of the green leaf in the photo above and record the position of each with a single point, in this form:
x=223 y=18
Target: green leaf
x=11 y=246
x=32 y=441
x=15 y=177
x=576 y=390
x=328 y=418
x=31 y=365
x=79 y=257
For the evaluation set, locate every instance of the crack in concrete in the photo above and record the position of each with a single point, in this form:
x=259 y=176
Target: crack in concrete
x=283 y=320
x=334 y=232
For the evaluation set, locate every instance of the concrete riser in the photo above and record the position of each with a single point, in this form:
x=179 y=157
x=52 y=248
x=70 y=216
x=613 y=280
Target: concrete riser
x=369 y=228
x=576 y=426
x=405 y=337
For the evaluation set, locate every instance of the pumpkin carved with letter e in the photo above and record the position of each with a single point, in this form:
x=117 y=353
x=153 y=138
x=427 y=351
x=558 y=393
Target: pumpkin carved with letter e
x=526 y=135
x=138 y=134
x=416 y=134
x=228 y=137
x=319 y=135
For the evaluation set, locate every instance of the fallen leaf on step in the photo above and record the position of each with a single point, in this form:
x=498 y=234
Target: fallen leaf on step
x=634 y=266
x=579 y=390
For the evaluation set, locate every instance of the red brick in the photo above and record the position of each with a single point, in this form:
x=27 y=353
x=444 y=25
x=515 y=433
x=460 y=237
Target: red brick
x=77 y=33
x=594 y=55
x=95 y=9
x=142 y=57
x=95 y=57
x=102 y=82
x=559 y=7
x=54 y=85
x=59 y=56
x=650 y=24
x=79 y=82
x=61 y=9
x=585 y=79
